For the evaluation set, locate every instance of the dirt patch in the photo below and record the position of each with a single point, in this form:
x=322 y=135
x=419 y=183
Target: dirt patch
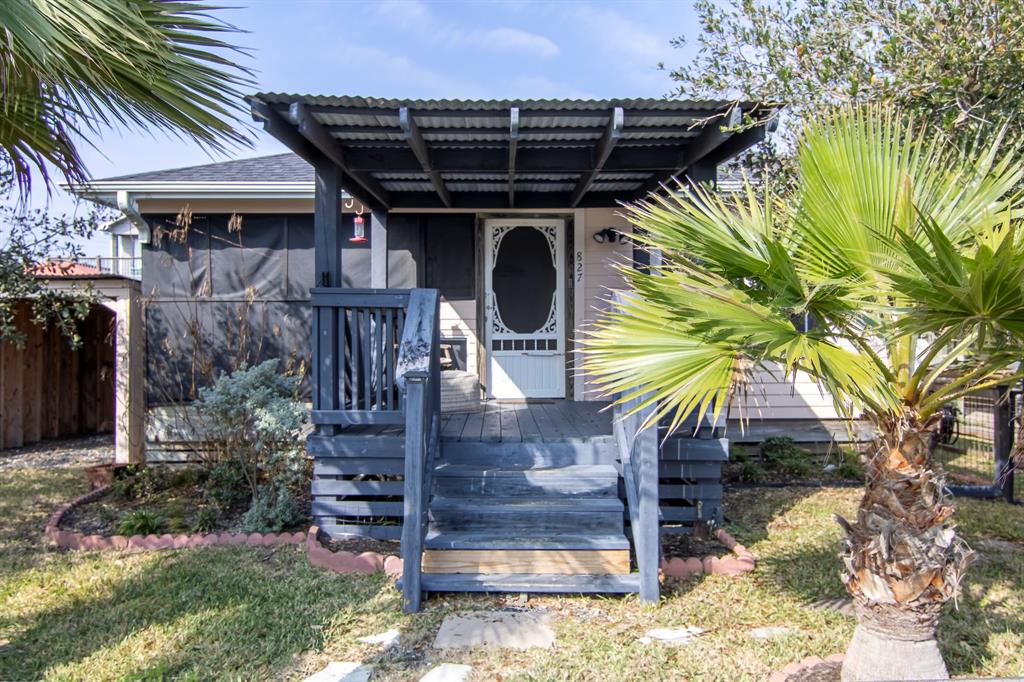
x=67 y=452
x=684 y=546
x=358 y=545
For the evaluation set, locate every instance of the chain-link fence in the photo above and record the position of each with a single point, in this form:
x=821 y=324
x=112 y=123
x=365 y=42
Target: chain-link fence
x=977 y=433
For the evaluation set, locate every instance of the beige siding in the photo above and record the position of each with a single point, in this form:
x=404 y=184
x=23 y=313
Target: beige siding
x=599 y=274
x=458 y=319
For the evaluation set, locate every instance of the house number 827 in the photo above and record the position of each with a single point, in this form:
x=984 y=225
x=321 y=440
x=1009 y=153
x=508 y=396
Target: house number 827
x=579 y=266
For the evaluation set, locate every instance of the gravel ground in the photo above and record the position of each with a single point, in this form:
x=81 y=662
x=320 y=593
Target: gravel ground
x=68 y=452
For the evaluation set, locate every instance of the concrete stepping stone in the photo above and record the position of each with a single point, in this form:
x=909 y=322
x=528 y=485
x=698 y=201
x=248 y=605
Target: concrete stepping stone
x=448 y=672
x=671 y=636
x=387 y=638
x=769 y=632
x=502 y=629
x=342 y=671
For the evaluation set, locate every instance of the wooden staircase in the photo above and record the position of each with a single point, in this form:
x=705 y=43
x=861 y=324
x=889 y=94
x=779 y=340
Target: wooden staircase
x=527 y=517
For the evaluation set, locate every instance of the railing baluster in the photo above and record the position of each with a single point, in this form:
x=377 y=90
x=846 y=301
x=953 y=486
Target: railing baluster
x=342 y=370
x=379 y=373
x=367 y=363
x=389 y=357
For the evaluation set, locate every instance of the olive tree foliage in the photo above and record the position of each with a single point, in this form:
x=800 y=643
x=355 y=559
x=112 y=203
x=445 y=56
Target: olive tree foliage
x=956 y=65
x=29 y=239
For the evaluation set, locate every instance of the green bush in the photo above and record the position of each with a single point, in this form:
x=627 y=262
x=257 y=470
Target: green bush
x=252 y=419
x=226 y=486
x=272 y=510
x=751 y=471
x=140 y=522
x=205 y=521
x=850 y=468
x=782 y=454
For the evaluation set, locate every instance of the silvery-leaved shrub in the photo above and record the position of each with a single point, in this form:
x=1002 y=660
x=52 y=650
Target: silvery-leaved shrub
x=251 y=419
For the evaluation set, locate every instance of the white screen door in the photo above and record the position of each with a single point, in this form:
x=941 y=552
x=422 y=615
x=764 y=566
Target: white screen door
x=524 y=307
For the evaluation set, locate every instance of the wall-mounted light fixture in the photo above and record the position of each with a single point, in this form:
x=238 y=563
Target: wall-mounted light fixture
x=610 y=235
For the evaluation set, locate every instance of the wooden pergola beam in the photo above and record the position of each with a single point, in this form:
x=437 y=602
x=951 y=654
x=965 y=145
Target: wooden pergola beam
x=373 y=194
x=415 y=140
x=605 y=145
x=711 y=138
x=513 y=144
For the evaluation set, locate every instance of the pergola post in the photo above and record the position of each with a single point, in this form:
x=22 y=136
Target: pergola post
x=379 y=249
x=327 y=225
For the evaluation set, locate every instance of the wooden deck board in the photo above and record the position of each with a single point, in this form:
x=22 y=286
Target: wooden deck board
x=524 y=421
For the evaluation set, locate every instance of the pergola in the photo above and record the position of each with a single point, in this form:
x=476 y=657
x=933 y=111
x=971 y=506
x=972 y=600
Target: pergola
x=502 y=153
x=393 y=154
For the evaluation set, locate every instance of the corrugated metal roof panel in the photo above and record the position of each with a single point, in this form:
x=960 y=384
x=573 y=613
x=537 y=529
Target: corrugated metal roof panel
x=494 y=104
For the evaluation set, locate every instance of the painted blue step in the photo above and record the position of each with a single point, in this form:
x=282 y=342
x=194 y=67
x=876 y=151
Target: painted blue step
x=555 y=541
x=537 y=583
x=596 y=450
x=464 y=480
x=531 y=517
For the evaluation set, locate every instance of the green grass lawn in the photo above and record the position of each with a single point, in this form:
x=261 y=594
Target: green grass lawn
x=258 y=613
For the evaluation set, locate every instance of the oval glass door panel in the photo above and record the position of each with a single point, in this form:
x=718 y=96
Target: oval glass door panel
x=524 y=281
x=525 y=295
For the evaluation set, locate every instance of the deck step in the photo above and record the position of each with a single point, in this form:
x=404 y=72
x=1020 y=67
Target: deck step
x=536 y=583
x=527 y=561
x=530 y=517
x=594 y=450
x=493 y=540
x=464 y=480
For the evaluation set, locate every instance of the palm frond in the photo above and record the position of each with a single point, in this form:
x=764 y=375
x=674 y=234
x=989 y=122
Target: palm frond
x=69 y=67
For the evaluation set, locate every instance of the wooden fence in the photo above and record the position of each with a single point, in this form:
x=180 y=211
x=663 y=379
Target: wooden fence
x=49 y=390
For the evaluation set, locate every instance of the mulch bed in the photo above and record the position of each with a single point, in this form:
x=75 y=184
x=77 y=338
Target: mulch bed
x=357 y=545
x=678 y=545
x=178 y=506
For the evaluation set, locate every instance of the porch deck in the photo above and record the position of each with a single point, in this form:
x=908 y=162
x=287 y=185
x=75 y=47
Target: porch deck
x=501 y=421
x=529 y=422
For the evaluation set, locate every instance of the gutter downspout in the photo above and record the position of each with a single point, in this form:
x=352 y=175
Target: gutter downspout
x=128 y=206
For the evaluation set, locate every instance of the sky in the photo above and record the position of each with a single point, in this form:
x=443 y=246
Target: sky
x=485 y=49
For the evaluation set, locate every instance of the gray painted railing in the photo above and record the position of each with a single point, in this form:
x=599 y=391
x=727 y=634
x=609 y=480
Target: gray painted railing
x=638 y=455
x=355 y=356
x=418 y=375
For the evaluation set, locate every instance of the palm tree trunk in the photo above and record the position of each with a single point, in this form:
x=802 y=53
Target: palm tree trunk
x=903 y=559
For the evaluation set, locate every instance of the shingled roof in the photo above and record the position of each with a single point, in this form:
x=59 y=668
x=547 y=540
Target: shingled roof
x=285 y=167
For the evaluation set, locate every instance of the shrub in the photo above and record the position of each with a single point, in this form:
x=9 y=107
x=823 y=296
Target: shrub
x=850 y=468
x=205 y=521
x=273 y=509
x=226 y=486
x=251 y=417
x=750 y=471
x=140 y=522
x=783 y=455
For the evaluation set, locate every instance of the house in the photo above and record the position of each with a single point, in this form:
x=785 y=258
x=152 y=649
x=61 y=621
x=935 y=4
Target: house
x=486 y=231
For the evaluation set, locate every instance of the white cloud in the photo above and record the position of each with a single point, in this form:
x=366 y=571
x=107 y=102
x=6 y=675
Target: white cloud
x=415 y=16
x=514 y=40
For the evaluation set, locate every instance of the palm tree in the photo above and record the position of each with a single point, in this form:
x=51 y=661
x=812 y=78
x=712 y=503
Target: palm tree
x=894 y=276
x=71 y=67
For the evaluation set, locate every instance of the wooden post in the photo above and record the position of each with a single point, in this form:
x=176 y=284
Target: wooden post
x=412 y=523
x=648 y=535
x=327 y=225
x=129 y=360
x=379 y=249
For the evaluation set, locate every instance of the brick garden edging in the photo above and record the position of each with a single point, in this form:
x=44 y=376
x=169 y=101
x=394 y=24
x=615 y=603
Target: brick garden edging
x=806 y=664
x=742 y=561
x=316 y=554
x=349 y=562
